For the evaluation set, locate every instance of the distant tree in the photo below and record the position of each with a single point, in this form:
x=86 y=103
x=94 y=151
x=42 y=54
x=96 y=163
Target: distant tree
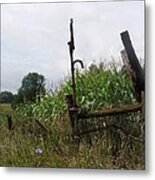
x=33 y=86
x=16 y=100
x=6 y=97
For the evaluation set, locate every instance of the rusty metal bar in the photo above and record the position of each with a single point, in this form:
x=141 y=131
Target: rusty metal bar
x=71 y=50
x=112 y=112
x=73 y=62
x=73 y=114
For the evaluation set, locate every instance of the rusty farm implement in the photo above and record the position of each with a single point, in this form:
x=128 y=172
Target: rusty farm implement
x=76 y=112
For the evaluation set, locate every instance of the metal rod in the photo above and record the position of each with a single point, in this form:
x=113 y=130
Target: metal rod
x=71 y=50
x=112 y=112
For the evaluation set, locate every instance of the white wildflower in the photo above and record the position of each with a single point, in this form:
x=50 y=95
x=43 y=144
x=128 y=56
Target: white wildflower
x=38 y=151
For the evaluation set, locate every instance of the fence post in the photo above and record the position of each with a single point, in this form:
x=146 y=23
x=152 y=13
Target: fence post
x=10 y=123
x=137 y=75
x=73 y=113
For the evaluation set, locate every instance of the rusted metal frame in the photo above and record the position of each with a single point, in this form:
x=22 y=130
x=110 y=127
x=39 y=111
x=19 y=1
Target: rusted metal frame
x=73 y=109
x=114 y=127
x=108 y=112
x=71 y=99
x=136 y=73
x=76 y=115
x=111 y=112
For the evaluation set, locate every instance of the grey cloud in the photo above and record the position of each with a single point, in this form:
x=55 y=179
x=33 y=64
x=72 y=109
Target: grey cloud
x=34 y=37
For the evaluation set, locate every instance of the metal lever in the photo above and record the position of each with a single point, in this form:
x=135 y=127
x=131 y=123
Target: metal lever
x=71 y=51
x=78 y=61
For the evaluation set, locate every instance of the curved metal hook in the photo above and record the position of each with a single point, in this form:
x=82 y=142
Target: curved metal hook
x=79 y=61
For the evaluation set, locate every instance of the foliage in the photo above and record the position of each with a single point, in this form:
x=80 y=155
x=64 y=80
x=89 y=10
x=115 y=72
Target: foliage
x=6 y=97
x=32 y=88
x=95 y=90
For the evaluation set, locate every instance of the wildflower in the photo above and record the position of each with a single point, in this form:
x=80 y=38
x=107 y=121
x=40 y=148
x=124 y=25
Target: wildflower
x=38 y=151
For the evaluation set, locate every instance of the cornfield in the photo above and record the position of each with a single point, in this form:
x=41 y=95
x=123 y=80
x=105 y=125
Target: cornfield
x=96 y=89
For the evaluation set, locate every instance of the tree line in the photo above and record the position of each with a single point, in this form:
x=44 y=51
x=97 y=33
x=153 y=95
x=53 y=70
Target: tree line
x=32 y=88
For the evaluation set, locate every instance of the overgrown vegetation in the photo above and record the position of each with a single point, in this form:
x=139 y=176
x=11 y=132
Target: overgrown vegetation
x=97 y=88
x=6 y=97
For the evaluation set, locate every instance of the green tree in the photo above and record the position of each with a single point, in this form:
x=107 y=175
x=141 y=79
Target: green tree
x=6 y=97
x=33 y=86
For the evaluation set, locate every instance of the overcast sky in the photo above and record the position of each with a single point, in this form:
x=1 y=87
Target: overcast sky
x=34 y=37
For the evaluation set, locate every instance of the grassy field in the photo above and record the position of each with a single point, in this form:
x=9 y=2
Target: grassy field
x=18 y=149
x=29 y=145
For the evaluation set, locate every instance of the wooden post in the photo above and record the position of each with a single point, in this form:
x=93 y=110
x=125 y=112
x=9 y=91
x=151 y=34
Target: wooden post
x=138 y=76
x=10 y=123
x=73 y=113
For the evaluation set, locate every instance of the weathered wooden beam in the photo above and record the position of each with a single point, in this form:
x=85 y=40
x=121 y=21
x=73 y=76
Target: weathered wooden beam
x=112 y=112
x=137 y=72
